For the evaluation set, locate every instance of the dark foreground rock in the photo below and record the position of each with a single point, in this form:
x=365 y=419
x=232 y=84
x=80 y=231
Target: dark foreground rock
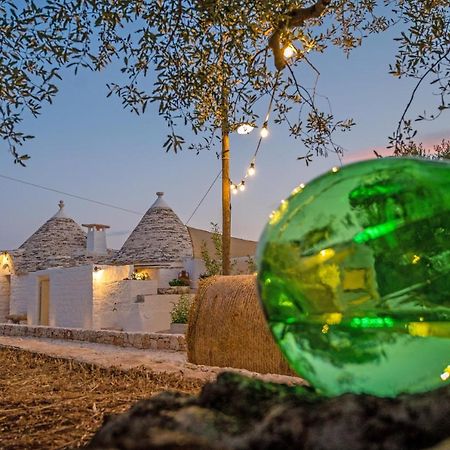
x=237 y=413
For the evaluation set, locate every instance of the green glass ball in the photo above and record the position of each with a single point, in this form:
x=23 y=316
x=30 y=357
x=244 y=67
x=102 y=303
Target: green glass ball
x=354 y=278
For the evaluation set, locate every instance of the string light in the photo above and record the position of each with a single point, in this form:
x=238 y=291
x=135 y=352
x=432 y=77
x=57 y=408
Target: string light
x=289 y=51
x=245 y=128
x=264 y=131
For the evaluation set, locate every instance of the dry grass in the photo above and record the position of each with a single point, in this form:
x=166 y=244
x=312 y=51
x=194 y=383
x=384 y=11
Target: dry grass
x=50 y=403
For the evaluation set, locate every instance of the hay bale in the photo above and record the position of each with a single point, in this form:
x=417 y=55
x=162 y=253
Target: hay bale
x=227 y=328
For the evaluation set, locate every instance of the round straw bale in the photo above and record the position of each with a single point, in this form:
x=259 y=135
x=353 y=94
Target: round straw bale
x=227 y=328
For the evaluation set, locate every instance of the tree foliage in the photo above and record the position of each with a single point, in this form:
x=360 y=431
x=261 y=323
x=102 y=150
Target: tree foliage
x=212 y=60
x=438 y=151
x=213 y=263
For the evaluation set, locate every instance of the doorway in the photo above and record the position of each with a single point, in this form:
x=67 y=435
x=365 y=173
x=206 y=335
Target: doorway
x=44 y=301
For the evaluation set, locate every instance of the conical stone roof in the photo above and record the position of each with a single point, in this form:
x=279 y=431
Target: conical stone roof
x=160 y=238
x=56 y=243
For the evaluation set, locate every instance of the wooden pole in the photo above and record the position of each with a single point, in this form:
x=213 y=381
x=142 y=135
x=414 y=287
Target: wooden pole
x=226 y=200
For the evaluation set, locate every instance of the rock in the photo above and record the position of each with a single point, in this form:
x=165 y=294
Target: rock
x=240 y=413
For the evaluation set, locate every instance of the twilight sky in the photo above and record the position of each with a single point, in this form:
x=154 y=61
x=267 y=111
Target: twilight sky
x=89 y=146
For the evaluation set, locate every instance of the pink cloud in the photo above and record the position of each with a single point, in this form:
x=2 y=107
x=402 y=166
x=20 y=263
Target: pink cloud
x=368 y=153
x=365 y=153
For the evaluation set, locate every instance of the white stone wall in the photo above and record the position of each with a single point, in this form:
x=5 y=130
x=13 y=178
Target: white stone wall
x=153 y=315
x=24 y=289
x=113 y=296
x=154 y=341
x=5 y=292
x=163 y=276
x=150 y=316
x=70 y=297
x=195 y=267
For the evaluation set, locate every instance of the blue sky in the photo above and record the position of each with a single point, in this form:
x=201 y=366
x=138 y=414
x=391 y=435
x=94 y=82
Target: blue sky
x=88 y=145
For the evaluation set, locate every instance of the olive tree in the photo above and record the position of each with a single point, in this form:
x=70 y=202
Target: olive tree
x=211 y=61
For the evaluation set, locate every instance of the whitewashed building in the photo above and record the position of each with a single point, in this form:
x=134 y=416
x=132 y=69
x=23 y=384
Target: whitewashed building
x=62 y=276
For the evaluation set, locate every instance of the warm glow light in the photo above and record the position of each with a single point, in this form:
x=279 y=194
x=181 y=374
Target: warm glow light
x=289 y=51
x=245 y=128
x=242 y=186
x=264 y=132
x=415 y=259
x=234 y=188
x=335 y=169
x=251 y=170
x=98 y=273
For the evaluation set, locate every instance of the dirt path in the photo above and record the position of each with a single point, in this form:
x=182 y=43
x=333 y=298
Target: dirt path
x=159 y=361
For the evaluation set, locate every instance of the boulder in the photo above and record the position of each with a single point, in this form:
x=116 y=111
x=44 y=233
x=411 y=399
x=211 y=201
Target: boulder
x=239 y=413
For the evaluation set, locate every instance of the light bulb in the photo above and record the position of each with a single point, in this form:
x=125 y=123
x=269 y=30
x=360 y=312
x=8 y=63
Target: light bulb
x=245 y=128
x=242 y=186
x=264 y=132
x=251 y=170
x=289 y=51
x=233 y=188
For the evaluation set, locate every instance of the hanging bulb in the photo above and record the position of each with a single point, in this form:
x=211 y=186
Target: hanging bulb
x=264 y=131
x=289 y=51
x=234 y=189
x=245 y=128
x=242 y=186
x=251 y=170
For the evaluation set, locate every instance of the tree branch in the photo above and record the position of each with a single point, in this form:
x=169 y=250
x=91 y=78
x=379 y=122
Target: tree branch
x=296 y=18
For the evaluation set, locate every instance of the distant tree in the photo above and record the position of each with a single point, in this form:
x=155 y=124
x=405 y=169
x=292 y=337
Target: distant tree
x=212 y=62
x=438 y=151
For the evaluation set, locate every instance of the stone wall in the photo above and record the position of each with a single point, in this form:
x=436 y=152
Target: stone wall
x=24 y=288
x=164 y=275
x=70 y=296
x=115 y=299
x=150 y=314
x=154 y=341
x=5 y=292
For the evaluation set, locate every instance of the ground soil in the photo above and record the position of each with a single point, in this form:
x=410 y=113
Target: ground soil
x=51 y=403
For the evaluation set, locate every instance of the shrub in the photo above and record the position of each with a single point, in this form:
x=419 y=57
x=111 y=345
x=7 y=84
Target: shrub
x=180 y=310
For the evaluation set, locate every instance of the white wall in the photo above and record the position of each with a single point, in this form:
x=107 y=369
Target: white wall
x=5 y=292
x=112 y=293
x=152 y=315
x=163 y=276
x=24 y=289
x=70 y=297
x=5 y=285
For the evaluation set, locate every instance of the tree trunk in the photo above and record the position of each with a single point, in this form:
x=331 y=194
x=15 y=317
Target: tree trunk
x=226 y=201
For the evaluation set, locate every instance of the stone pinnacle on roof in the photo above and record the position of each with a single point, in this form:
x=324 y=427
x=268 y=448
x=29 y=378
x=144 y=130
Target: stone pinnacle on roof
x=160 y=202
x=60 y=213
x=159 y=238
